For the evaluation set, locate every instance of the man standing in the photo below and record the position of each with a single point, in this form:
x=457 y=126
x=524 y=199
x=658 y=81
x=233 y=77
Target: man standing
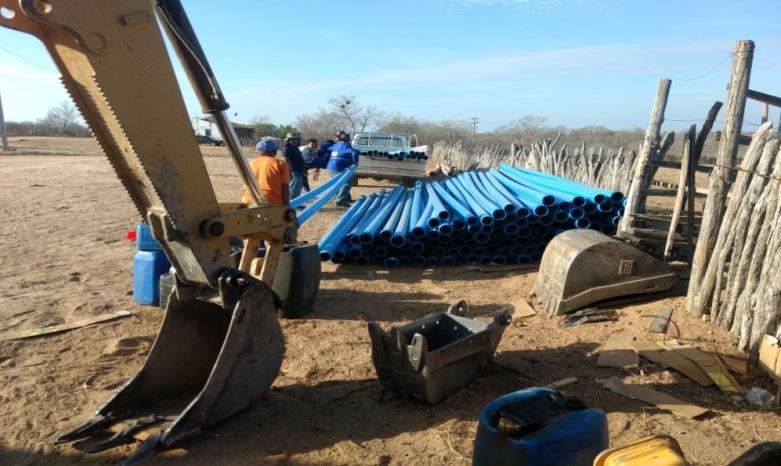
x=296 y=163
x=309 y=150
x=272 y=174
x=343 y=156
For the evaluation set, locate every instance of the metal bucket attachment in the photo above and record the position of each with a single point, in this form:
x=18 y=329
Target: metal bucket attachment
x=430 y=358
x=206 y=364
x=581 y=267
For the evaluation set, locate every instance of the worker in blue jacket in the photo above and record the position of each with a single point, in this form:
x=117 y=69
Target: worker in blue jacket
x=320 y=160
x=343 y=156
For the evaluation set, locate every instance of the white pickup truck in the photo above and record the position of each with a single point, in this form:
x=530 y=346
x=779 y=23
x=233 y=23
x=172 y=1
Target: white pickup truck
x=394 y=146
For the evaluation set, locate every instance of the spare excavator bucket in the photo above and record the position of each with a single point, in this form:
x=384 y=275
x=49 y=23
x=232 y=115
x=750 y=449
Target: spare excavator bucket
x=206 y=365
x=581 y=267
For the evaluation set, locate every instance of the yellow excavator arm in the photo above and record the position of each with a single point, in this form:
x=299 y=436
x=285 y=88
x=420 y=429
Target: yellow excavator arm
x=220 y=345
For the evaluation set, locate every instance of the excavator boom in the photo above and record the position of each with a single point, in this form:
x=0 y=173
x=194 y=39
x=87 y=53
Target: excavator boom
x=220 y=346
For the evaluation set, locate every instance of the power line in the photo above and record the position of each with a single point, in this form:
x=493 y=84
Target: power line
x=705 y=73
x=26 y=59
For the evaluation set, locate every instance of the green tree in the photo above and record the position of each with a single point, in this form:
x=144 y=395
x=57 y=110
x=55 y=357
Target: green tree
x=264 y=127
x=283 y=130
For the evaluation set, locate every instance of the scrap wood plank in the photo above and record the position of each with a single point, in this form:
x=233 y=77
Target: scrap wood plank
x=662 y=320
x=523 y=309
x=770 y=357
x=37 y=332
x=735 y=364
x=653 y=352
x=658 y=399
x=617 y=351
x=711 y=364
x=562 y=383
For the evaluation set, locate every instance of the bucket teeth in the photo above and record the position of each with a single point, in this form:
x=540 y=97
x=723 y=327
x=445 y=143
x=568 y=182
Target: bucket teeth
x=206 y=365
x=126 y=435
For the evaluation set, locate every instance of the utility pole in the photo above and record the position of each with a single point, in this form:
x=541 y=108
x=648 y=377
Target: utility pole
x=3 y=135
x=474 y=127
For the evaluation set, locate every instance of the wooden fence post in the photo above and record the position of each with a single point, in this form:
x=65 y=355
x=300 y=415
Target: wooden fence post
x=643 y=168
x=3 y=135
x=687 y=166
x=720 y=178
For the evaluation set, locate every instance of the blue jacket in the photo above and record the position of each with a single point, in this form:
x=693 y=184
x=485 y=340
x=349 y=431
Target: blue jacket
x=342 y=156
x=320 y=160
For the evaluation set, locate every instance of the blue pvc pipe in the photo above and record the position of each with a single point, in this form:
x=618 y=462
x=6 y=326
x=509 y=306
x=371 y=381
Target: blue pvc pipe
x=479 y=210
x=524 y=191
x=576 y=213
x=417 y=247
x=440 y=212
x=368 y=214
x=533 y=200
x=309 y=195
x=399 y=237
x=558 y=187
x=572 y=186
x=582 y=223
x=386 y=233
x=371 y=230
x=468 y=180
x=314 y=207
x=420 y=229
x=512 y=204
x=463 y=212
x=337 y=233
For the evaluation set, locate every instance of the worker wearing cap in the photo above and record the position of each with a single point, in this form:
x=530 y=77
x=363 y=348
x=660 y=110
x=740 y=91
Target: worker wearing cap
x=296 y=163
x=272 y=174
x=343 y=156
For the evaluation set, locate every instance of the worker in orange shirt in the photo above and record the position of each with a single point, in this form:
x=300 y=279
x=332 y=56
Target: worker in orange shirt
x=272 y=174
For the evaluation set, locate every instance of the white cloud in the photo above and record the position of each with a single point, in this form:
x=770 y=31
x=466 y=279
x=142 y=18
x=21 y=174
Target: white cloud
x=624 y=58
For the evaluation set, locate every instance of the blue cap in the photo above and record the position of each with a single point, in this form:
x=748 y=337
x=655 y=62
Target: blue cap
x=267 y=146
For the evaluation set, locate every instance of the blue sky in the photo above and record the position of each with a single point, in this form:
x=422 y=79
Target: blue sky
x=576 y=62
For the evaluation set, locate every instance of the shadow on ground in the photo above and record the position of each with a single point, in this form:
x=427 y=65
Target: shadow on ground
x=414 y=275
x=344 y=304
x=300 y=418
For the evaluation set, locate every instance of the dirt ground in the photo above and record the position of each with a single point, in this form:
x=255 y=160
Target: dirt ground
x=63 y=256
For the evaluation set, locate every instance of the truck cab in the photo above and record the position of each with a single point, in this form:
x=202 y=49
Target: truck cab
x=384 y=143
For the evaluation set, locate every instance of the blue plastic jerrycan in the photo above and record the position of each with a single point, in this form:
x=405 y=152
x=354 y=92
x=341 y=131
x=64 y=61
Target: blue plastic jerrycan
x=149 y=263
x=539 y=427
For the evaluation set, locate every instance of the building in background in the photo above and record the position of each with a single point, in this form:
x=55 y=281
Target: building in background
x=207 y=132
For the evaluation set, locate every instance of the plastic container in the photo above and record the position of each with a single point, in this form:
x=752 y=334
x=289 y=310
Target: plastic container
x=559 y=431
x=144 y=239
x=149 y=263
x=661 y=450
x=167 y=281
x=148 y=266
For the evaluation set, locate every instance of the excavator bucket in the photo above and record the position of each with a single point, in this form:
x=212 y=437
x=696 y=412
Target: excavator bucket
x=581 y=267
x=206 y=365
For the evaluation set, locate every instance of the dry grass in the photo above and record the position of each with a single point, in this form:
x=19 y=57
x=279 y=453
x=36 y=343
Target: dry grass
x=604 y=169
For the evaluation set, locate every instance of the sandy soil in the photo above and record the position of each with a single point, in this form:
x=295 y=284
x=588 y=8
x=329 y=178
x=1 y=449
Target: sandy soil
x=63 y=256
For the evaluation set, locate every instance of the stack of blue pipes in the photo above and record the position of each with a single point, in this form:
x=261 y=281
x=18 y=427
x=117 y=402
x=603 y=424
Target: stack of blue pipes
x=502 y=216
x=397 y=155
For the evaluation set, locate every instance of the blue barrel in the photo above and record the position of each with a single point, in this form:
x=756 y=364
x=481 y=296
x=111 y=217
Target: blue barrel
x=149 y=263
x=557 y=432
